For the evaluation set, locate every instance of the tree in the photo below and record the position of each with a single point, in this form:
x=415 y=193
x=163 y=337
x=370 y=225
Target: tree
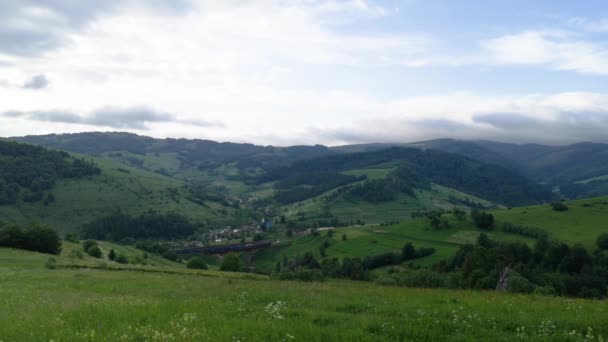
x=482 y=219
x=602 y=242
x=231 y=263
x=330 y=233
x=484 y=241
x=408 y=252
x=459 y=214
x=112 y=254
x=197 y=263
x=322 y=251
x=344 y=237
x=435 y=222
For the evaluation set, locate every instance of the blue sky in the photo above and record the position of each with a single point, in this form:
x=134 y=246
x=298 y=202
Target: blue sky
x=309 y=71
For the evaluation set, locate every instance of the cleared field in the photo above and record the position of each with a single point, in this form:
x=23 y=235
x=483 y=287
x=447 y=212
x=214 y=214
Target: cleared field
x=438 y=197
x=103 y=305
x=373 y=240
x=582 y=223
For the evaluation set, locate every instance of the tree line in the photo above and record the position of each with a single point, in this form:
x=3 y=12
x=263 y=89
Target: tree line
x=33 y=237
x=148 y=225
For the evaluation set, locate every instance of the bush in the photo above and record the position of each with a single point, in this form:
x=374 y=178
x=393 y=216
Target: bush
x=519 y=284
x=197 y=263
x=559 y=206
x=88 y=244
x=75 y=255
x=71 y=237
x=112 y=255
x=602 y=242
x=51 y=264
x=94 y=251
x=121 y=259
x=231 y=263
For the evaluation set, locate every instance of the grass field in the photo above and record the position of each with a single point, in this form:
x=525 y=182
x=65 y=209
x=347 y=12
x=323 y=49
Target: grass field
x=400 y=209
x=582 y=223
x=373 y=240
x=104 y=305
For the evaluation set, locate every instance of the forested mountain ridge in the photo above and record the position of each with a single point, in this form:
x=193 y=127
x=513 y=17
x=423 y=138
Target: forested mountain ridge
x=578 y=170
x=261 y=178
x=487 y=181
x=196 y=152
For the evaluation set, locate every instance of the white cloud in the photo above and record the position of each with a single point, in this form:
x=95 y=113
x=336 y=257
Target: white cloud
x=557 y=50
x=242 y=64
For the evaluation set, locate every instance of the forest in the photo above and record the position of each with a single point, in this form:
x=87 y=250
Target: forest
x=30 y=172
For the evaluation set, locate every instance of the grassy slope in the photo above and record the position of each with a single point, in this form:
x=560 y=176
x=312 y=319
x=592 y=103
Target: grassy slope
x=79 y=201
x=13 y=258
x=85 y=305
x=579 y=224
x=374 y=240
x=582 y=223
x=399 y=209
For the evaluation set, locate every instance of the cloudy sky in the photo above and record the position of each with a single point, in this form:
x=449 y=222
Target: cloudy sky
x=307 y=71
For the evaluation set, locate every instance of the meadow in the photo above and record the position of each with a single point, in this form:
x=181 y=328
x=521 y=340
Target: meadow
x=362 y=241
x=582 y=223
x=40 y=304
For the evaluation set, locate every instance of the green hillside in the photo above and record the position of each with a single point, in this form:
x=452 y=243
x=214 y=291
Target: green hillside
x=118 y=187
x=158 y=304
x=363 y=241
x=582 y=223
x=357 y=210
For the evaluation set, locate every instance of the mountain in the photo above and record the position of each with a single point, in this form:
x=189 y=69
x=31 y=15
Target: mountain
x=69 y=190
x=579 y=170
x=307 y=185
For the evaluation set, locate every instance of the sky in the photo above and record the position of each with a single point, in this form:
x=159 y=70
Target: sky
x=307 y=71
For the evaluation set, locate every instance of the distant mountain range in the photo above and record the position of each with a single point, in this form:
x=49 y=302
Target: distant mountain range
x=581 y=163
x=308 y=184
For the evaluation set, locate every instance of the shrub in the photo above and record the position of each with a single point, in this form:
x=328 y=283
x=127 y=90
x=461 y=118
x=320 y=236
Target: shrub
x=51 y=264
x=94 y=251
x=519 y=284
x=197 y=263
x=71 y=237
x=121 y=259
x=75 y=255
x=559 y=206
x=88 y=244
x=602 y=242
x=231 y=263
